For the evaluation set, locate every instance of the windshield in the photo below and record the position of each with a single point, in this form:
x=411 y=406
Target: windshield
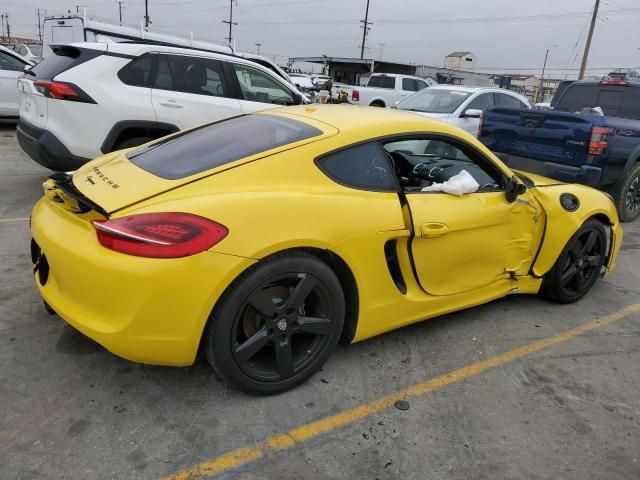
x=434 y=100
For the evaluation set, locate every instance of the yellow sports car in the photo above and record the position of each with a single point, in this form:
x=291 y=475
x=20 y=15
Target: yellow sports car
x=264 y=239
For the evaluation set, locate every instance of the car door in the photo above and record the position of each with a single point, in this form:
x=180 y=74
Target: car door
x=465 y=242
x=259 y=90
x=468 y=123
x=10 y=69
x=190 y=90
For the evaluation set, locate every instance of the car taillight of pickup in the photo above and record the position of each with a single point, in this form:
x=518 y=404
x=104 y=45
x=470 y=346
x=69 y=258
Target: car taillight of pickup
x=575 y=142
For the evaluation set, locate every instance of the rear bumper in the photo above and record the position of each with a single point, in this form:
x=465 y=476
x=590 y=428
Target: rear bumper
x=142 y=309
x=45 y=148
x=589 y=175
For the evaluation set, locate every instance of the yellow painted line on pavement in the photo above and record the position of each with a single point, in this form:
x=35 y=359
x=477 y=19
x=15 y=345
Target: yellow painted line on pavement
x=17 y=219
x=245 y=455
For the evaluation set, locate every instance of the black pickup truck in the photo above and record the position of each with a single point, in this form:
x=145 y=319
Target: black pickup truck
x=572 y=142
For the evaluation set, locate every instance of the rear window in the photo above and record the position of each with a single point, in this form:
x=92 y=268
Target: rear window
x=63 y=59
x=217 y=144
x=382 y=81
x=612 y=99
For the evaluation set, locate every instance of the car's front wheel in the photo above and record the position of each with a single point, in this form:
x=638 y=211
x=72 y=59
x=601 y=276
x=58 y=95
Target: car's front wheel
x=579 y=264
x=277 y=324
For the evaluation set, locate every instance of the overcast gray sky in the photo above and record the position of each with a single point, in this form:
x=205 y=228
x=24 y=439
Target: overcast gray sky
x=503 y=34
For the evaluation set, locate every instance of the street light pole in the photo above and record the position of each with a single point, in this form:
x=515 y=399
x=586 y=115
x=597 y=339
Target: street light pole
x=540 y=95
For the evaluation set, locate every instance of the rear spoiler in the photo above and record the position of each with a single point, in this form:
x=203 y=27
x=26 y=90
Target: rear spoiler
x=59 y=188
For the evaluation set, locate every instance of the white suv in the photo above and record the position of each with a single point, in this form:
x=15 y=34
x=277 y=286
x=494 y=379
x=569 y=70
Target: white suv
x=92 y=98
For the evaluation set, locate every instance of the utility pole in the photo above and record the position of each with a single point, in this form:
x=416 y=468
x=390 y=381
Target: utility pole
x=381 y=45
x=120 y=10
x=6 y=18
x=39 y=26
x=231 y=23
x=365 y=29
x=146 y=14
x=258 y=45
x=2 y=23
x=583 y=66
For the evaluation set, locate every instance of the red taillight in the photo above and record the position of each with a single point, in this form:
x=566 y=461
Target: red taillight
x=159 y=235
x=614 y=82
x=355 y=95
x=598 y=143
x=62 y=91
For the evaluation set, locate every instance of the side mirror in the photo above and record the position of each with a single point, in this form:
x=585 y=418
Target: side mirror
x=297 y=99
x=471 y=113
x=514 y=188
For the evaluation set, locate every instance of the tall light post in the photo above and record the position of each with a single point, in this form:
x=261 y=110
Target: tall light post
x=381 y=45
x=544 y=67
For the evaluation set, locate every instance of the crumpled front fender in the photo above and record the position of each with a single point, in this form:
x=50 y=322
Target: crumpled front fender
x=562 y=224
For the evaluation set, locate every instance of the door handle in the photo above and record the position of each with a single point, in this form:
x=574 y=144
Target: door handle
x=171 y=104
x=433 y=229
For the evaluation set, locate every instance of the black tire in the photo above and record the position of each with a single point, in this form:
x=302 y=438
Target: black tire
x=627 y=196
x=579 y=265
x=132 y=142
x=276 y=324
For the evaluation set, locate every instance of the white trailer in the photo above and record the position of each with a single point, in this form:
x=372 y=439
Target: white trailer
x=75 y=28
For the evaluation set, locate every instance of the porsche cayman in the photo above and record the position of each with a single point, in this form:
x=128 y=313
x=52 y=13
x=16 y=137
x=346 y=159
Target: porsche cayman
x=265 y=239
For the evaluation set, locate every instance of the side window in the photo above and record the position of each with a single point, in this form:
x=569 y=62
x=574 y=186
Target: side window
x=508 y=101
x=23 y=51
x=139 y=71
x=421 y=84
x=363 y=167
x=422 y=162
x=630 y=106
x=481 y=102
x=11 y=63
x=258 y=86
x=609 y=101
x=197 y=75
x=409 y=84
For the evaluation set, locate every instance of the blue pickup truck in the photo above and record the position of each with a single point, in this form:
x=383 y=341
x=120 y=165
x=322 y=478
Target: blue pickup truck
x=572 y=142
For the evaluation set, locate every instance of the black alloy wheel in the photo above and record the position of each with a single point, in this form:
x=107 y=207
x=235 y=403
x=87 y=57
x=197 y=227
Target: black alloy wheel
x=277 y=325
x=579 y=265
x=632 y=200
x=627 y=196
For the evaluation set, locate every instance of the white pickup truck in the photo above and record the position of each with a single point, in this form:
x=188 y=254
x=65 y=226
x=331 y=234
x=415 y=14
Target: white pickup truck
x=383 y=89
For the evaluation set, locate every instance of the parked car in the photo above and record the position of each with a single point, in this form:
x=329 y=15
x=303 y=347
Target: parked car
x=93 y=98
x=11 y=68
x=153 y=251
x=574 y=143
x=31 y=51
x=302 y=81
x=384 y=89
x=460 y=106
x=320 y=79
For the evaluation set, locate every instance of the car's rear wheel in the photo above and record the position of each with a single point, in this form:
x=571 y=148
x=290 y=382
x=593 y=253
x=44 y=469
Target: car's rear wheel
x=627 y=196
x=579 y=264
x=277 y=324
